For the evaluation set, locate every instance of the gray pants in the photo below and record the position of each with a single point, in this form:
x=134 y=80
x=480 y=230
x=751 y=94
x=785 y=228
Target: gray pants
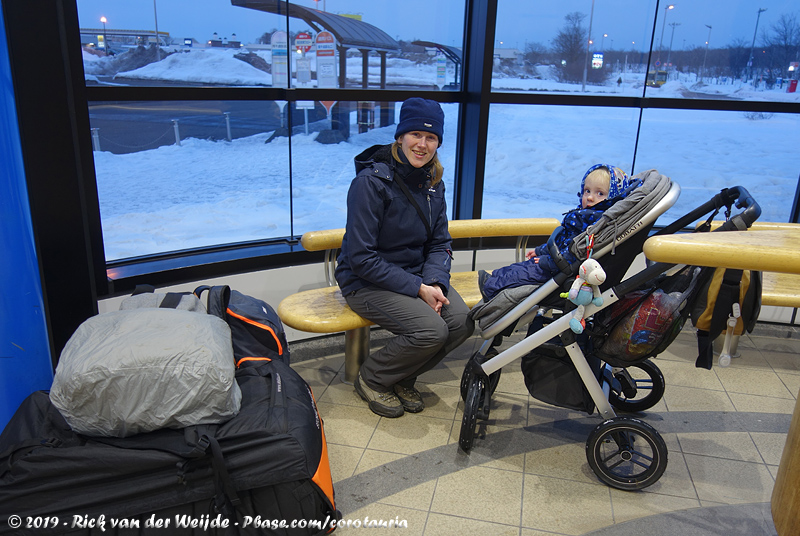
x=422 y=339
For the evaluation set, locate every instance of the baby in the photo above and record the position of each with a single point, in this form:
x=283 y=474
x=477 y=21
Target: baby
x=600 y=185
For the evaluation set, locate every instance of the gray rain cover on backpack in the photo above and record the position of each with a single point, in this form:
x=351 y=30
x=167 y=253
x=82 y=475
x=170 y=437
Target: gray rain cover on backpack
x=132 y=371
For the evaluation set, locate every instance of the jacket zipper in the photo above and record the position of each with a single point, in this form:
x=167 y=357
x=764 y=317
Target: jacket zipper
x=430 y=210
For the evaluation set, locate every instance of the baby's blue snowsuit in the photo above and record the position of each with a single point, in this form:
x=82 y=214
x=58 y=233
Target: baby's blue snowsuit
x=542 y=268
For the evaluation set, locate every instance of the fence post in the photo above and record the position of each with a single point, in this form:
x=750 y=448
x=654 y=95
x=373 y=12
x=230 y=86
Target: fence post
x=177 y=132
x=228 y=124
x=96 y=139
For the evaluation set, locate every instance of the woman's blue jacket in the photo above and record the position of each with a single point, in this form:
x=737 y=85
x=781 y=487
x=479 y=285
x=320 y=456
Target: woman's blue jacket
x=386 y=243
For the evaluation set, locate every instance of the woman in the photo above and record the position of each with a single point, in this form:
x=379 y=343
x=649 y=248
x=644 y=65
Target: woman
x=394 y=267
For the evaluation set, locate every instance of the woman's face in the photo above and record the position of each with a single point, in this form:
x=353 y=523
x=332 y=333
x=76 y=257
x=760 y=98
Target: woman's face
x=419 y=147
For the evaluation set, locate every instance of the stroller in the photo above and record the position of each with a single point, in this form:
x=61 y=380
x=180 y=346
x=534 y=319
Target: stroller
x=608 y=364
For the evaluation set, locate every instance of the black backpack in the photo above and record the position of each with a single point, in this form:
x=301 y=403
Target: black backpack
x=256 y=329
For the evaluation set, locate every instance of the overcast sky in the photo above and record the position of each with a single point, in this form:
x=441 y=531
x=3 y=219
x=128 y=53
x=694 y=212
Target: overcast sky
x=624 y=21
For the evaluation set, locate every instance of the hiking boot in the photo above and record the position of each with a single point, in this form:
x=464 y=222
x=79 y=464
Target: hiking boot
x=385 y=404
x=410 y=398
x=483 y=275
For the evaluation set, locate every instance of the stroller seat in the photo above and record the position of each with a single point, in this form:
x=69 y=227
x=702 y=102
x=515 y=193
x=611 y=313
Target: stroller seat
x=624 y=452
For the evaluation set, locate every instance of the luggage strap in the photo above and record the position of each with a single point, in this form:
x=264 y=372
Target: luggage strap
x=226 y=500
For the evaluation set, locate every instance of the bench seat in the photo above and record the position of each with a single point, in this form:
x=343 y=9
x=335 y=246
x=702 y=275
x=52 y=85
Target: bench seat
x=324 y=310
x=780 y=290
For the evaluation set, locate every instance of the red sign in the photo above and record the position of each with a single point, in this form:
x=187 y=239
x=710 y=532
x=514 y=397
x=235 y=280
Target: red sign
x=326 y=44
x=303 y=42
x=328 y=104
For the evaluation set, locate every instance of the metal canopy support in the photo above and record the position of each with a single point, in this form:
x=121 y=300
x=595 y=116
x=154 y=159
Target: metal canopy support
x=451 y=53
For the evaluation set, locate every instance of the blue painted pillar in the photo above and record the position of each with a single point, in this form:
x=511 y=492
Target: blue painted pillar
x=25 y=364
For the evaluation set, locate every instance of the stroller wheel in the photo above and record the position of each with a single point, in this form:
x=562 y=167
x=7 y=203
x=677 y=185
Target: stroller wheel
x=468 y=374
x=626 y=453
x=475 y=395
x=642 y=387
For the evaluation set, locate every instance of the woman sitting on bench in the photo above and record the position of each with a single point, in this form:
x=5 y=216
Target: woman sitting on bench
x=394 y=267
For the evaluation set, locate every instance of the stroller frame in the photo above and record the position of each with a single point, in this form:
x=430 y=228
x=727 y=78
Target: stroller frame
x=624 y=452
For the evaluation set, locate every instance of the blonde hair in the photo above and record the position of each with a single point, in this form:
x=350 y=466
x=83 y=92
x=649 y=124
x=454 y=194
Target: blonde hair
x=437 y=169
x=602 y=172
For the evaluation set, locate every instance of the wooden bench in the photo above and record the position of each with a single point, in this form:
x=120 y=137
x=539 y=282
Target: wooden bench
x=324 y=310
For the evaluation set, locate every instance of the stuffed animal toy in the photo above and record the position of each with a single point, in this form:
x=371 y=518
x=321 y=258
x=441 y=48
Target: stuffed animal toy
x=585 y=290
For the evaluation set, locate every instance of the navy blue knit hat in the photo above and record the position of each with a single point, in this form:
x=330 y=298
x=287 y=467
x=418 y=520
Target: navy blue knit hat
x=423 y=115
x=617 y=185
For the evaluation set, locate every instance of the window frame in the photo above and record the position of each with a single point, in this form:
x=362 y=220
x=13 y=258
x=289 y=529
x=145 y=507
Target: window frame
x=47 y=76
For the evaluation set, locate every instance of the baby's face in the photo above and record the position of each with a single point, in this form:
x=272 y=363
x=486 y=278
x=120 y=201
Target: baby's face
x=595 y=189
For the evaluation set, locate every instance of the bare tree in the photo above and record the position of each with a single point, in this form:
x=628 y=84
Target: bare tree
x=569 y=48
x=782 y=43
x=535 y=53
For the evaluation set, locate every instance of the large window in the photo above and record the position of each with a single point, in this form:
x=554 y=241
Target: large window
x=181 y=174
x=702 y=49
x=238 y=43
x=537 y=155
x=242 y=124
x=705 y=151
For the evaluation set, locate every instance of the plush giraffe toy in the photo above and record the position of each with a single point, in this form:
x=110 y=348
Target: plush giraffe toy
x=585 y=290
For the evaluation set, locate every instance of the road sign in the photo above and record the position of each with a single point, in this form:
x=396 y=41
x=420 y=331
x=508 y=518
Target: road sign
x=326 y=60
x=326 y=44
x=280 y=60
x=303 y=42
x=328 y=104
x=441 y=70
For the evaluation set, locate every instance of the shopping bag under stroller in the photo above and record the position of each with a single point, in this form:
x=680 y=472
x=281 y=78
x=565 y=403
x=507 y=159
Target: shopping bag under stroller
x=644 y=322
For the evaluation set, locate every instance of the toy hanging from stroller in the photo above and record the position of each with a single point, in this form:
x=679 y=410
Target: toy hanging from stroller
x=609 y=363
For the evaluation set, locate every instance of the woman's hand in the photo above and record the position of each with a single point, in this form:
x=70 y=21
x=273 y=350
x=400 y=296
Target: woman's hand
x=433 y=296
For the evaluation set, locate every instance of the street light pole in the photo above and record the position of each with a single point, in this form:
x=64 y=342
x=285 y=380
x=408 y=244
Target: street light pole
x=750 y=62
x=703 y=71
x=669 y=54
x=588 y=42
x=663 y=24
x=158 y=45
x=105 y=38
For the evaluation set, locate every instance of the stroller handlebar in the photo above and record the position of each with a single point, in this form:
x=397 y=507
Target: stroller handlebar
x=742 y=198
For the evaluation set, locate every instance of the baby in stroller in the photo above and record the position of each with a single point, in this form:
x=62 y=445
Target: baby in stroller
x=608 y=364
x=601 y=185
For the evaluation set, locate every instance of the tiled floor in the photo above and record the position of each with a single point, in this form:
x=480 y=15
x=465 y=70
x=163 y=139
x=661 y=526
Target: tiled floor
x=527 y=474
